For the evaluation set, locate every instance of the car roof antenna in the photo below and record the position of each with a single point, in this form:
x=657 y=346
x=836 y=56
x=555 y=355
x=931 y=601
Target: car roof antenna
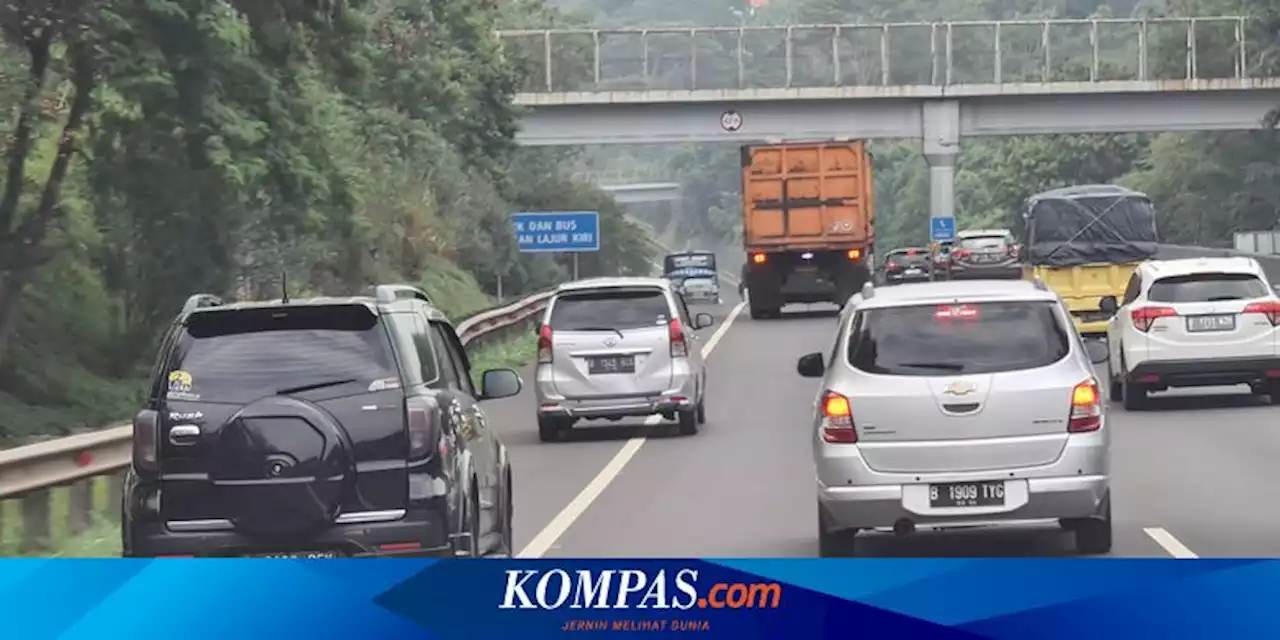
x=284 y=287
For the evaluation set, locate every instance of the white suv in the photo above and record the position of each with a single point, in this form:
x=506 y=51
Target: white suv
x=1194 y=323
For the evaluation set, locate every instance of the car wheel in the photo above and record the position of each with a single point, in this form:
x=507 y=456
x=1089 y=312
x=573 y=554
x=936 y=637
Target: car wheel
x=835 y=544
x=702 y=408
x=1115 y=391
x=548 y=429
x=509 y=517
x=1133 y=396
x=688 y=422
x=468 y=544
x=1093 y=536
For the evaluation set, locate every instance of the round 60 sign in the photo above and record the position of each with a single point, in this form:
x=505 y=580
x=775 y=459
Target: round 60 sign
x=731 y=120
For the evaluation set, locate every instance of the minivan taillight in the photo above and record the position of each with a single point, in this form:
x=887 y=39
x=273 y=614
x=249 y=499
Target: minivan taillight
x=146 y=434
x=1270 y=308
x=1086 y=408
x=420 y=414
x=837 y=419
x=544 y=344
x=1144 y=317
x=679 y=346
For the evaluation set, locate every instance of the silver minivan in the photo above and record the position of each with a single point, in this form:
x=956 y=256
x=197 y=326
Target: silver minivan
x=959 y=404
x=619 y=347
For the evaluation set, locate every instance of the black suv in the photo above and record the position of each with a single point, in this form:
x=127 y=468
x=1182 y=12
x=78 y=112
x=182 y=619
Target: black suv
x=326 y=427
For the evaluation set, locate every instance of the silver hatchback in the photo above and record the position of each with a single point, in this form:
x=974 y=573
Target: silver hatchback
x=958 y=404
x=619 y=347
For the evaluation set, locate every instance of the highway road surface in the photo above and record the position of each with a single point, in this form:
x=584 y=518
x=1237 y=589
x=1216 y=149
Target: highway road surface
x=1189 y=476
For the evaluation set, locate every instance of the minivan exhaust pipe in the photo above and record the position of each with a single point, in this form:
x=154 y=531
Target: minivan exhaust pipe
x=904 y=527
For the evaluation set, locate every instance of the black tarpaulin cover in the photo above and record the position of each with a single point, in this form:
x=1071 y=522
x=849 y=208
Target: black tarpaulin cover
x=1090 y=224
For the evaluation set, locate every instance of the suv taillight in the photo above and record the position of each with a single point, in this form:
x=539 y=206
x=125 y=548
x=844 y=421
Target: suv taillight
x=1144 y=317
x=1270 y=308
x=679 y=347
x=837 y=419
x=146 y=434
x=420 y=414
x=544 y=344
x=1086 y=408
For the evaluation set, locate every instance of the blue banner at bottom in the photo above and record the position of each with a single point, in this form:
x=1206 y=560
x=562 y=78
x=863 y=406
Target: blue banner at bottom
x=468 y=599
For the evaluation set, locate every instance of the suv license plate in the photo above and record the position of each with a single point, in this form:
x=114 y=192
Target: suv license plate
x=967 y=494
x=603 y=365
x=1219 y=322
x=306 y=555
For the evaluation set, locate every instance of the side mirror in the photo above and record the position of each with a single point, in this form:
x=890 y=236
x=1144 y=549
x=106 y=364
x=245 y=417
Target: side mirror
x=810 y=366
x=499 y=383
x=1108 y=305
x=1098 y=350
x=703 y=320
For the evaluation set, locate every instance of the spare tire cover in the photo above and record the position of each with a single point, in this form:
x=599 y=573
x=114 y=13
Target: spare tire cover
x=280 y=465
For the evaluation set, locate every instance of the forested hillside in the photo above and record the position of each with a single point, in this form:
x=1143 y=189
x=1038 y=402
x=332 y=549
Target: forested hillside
x=1205 y=185
x=157 y=149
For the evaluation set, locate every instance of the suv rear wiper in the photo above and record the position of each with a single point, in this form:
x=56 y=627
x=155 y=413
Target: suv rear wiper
x=947 y=366
x=617 y=331
x=313 y=386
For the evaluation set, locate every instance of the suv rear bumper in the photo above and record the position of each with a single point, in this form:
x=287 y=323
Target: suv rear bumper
x=616 y=407
x=1205 y=373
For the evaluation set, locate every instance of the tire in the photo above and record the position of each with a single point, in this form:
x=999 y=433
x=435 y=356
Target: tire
x=549 y=429
x=1133 y=396
x=471 y=520
x=1273 y=390
x=509 y=517
x=1115 y=390
x=702 y=411
x=688 y=422
x=835 y=544
x=1093 y=536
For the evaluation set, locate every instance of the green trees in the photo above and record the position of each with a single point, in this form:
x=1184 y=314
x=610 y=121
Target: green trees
x=154 y=149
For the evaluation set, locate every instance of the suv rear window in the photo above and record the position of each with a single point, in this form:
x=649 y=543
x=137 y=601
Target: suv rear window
x=238 y=356
x=1207 y=287
x=606 y=310
x=903 y=257
x=982 y=243
x=937 y=340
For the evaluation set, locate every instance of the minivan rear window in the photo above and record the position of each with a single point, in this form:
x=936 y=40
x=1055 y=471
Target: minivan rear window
x=608 y=310
x=240 y=356
x=904 y=257
x=1207 y=287
x=939 y=340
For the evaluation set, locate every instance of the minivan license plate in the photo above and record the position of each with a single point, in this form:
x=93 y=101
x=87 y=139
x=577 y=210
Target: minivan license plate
x=602 y=365
x=307 y=555
x=967 y=494
x=1218 y=322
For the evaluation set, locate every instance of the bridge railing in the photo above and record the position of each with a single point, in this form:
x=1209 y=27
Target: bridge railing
x=880 y=55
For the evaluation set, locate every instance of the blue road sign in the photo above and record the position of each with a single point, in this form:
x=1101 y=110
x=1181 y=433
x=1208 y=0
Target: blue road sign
x=942 y=229
x=556 y=231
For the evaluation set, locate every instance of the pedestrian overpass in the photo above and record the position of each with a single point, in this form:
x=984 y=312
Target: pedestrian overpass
x=936 y=82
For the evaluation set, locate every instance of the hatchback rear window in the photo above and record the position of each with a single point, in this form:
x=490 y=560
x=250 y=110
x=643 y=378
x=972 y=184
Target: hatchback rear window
x=983 y=243
x=609 y=310
x=239 y=356
x=934 y=340
x=1207 y=287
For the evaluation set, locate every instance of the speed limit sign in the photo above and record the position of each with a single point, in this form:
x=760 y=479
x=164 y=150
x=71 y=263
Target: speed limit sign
x=731 y=120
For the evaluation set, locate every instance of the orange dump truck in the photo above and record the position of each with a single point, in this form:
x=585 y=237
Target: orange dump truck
x=807 y=223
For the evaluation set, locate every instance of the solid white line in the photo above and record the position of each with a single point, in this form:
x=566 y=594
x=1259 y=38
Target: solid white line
x=1170 y=543
x=551 y=533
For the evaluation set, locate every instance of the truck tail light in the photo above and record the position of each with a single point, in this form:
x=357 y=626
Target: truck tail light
x=837 y=419
x=758 y=258
x=679 y=346
x=1270 y=308
x=1086 y=408
x=1144 y=317
x=544 y=344
x=854 y=254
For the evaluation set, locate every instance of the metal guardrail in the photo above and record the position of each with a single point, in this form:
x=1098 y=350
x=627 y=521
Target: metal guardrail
x=884 y=55
x=87 y=468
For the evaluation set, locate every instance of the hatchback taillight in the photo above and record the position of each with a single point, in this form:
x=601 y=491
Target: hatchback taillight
x=679 y=346
x=1086 y=408
x=1270 y=308
x=837 y=419
x=1144 y=317
x=544 y=344
x=146 y=435
x=420 y=414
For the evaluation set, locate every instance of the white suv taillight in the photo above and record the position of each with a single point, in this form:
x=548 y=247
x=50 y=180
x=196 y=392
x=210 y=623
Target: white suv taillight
x=1144 y=317
x=1086 y=408
x=420 y=414
x=679 y=347
x=146 y=434
x=544 y=344
x=837 y=419
x=1270 y=308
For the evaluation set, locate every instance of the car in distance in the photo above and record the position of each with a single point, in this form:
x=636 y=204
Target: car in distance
x=325 y=427
x=613 y=348
x=908 y=265
x=990 y=254
x=958 y=404
x=1190 y=323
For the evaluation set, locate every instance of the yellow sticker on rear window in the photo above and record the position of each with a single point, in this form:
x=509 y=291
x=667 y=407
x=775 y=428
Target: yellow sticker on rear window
x=179 y=382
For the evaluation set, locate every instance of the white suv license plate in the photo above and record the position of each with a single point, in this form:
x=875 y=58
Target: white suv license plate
x=1210 y=323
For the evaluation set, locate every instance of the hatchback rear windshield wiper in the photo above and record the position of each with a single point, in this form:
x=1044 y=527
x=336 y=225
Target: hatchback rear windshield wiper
x=617 y=331
x=1224 y=298
x=313 y=386
x=946 y=366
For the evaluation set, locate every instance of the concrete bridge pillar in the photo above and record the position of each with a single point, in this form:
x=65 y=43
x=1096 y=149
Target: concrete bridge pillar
x=940 y=130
